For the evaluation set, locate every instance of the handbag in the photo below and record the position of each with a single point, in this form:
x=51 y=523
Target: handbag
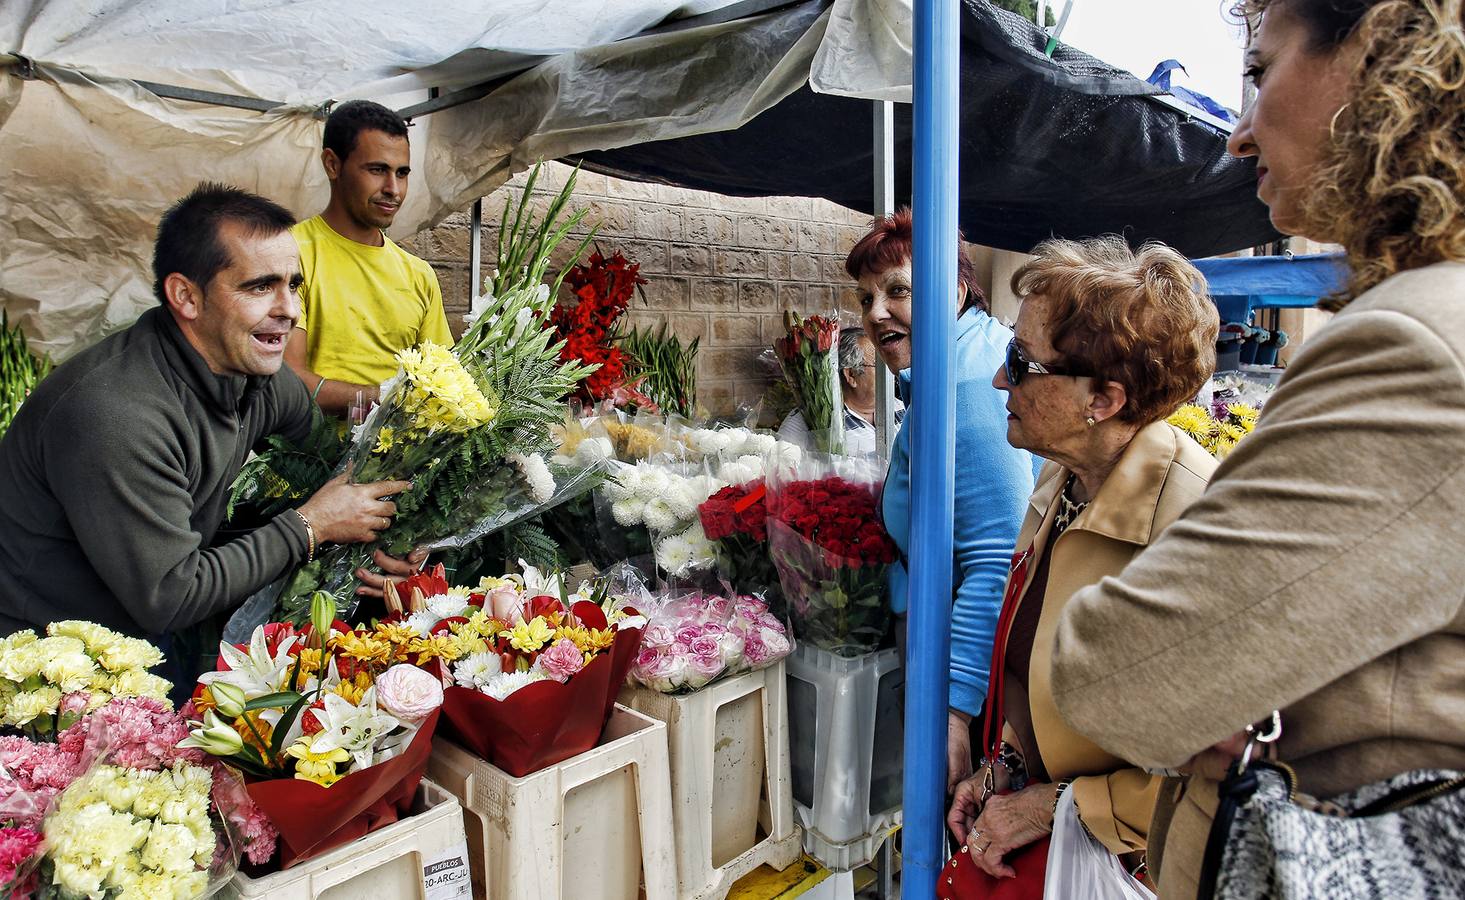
x=961 y=879
x=1401 y=837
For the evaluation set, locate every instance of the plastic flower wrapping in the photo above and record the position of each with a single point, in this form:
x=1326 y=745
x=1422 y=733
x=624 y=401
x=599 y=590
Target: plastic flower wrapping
x=649 y=507
x=831 y=553
x=330 y=725
x=531 y=669
x=115 y=802
x=469 y=426
x=694 y=638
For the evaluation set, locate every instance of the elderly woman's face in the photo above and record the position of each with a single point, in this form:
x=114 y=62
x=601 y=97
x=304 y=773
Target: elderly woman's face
x=1286 y=128
x=885 y=311
x=1046 y=413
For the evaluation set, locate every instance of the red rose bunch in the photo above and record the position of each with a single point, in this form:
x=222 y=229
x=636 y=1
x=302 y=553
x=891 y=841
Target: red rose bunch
x=839 y=517
x=603 y=289
x=735 y=519
x=831 y=554
x=736 y=511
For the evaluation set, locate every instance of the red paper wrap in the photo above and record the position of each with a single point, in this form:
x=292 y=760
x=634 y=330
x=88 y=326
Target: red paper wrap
x=545 y=722
x=312 y=819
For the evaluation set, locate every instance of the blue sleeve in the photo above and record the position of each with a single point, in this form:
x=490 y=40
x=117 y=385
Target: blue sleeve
x=993 y=483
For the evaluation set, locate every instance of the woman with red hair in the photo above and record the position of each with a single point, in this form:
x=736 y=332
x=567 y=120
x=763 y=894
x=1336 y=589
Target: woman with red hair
x=992 y=482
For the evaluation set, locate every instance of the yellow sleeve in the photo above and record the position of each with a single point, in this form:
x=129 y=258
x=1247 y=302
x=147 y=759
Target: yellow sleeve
x=1116 y=808
x=435 y=320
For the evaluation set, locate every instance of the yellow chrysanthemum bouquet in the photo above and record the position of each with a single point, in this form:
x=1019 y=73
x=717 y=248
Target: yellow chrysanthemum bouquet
x=1218 y=429
x=470 y=426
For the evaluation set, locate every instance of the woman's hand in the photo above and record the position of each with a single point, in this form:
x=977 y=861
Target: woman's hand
x=967 y=799
x=393 y=569
x=1010 y=822
x=958 y=748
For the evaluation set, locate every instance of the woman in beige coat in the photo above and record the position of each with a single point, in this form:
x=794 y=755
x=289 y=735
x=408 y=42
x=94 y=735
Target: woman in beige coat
x=1323 y=571
x=1108 y=343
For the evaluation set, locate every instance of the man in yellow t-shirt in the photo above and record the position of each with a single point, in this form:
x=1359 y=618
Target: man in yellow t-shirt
x=364 y=298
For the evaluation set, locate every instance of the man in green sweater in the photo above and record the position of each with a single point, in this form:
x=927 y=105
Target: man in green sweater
x=115 y=473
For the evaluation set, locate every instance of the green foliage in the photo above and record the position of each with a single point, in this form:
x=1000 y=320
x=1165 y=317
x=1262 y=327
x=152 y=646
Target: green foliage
x=284 y=474
x=463 y=484
x=668 y=366
x=1028 y=9
x=20 y=371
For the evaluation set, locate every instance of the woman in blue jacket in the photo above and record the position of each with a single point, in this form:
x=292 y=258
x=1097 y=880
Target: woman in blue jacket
x=993 y=480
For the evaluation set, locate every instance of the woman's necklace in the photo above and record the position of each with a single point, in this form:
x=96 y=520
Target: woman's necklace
x=1068 y=508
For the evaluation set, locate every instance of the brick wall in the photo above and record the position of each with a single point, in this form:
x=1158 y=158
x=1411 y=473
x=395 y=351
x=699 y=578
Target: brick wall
x=719 y=268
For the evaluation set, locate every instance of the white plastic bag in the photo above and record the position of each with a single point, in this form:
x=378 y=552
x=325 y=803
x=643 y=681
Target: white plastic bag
x=1081 y=867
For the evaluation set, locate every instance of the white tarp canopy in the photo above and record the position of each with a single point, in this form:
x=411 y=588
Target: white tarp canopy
x=99 y=133
x=94 y=157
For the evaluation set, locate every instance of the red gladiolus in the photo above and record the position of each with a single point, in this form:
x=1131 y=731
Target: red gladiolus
x=602 y=289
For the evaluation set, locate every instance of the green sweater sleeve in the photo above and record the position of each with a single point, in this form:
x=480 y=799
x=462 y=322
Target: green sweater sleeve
x=127 y=496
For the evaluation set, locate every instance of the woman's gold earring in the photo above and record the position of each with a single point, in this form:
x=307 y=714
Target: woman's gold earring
x=1333 y=122
x=1091 y=421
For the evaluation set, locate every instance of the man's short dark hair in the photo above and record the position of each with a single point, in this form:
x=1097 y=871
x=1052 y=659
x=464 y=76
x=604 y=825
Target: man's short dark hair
x=188 y=234
x=355 y=116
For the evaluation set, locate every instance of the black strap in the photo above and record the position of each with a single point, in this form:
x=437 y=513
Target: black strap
x=1233 y=793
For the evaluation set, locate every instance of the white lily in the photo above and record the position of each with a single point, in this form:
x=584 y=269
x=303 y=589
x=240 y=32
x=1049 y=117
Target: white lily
x=353 y=728
x=255 y=671
x=537 y=582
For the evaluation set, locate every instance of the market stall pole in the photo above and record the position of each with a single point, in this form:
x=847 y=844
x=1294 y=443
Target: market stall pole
x=933 y=465
x=884 y=205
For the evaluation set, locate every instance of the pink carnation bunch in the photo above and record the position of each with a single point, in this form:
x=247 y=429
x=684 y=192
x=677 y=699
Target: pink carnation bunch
x=561 y=660
x=139 y=733
x=256 y=832
x=19 y=846
x=37 y=773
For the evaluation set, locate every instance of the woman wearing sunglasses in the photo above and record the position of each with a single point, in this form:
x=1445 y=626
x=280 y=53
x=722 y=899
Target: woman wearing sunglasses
x=993 y=480
x=1108 y=343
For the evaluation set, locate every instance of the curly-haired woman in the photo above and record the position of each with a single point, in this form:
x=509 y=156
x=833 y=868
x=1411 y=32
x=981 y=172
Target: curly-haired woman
x=1321 y=573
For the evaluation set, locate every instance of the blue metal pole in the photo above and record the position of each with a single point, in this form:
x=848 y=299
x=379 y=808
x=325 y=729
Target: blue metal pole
x=933 y=441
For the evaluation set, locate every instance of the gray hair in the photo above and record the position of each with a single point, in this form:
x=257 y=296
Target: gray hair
x=851 y=347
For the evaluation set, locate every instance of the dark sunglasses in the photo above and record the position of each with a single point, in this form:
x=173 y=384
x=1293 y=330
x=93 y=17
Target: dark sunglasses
x=1019 y=367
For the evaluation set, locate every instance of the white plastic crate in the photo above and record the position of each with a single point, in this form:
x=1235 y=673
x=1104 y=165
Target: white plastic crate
x=597 y=826
x=732 y=799
x=847 y=745
x=423 y=856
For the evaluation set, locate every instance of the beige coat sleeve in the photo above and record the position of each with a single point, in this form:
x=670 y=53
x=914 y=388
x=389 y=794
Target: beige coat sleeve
x=1116 y=807
x=1333 y=534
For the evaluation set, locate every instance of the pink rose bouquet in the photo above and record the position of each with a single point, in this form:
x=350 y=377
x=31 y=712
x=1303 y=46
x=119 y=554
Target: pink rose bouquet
x=693 y=639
